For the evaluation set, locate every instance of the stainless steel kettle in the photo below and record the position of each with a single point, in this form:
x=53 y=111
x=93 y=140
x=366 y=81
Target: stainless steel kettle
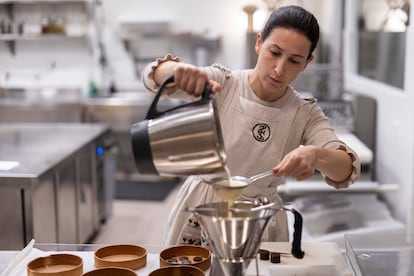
x=184 y=140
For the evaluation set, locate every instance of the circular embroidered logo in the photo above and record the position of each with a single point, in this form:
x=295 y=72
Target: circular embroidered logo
x=261 y=132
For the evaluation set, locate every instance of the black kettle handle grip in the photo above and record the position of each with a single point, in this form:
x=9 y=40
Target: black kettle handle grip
x=153 y=111
x=297 y=234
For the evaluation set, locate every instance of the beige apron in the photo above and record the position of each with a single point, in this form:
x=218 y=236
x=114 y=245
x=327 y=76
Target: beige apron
x=255 y=138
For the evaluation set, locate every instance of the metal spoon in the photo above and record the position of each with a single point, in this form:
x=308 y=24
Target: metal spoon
x=252 y=178
x=241 y=180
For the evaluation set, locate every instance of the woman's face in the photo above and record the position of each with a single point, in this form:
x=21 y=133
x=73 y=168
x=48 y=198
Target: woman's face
x=281 y=57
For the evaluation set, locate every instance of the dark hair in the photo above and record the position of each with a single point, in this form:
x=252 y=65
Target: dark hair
x=296 y=18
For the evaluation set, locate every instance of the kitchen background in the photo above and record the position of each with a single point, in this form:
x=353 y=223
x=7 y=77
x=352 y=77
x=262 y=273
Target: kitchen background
x=80 y=61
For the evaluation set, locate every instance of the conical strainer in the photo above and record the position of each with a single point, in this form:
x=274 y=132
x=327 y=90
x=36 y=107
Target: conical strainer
x=234 y=234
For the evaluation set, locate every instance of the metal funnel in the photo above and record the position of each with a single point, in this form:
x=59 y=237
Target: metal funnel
x=234 y=234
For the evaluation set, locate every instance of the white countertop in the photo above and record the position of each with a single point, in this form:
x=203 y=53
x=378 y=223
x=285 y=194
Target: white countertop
x=366 y=155
x=321 y=259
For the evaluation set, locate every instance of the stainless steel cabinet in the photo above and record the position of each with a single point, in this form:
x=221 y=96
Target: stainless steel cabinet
x=67 y=203
x=52 y=194
x=11 y=217
x=40 y=211
x=86 y=193
x=22 y=111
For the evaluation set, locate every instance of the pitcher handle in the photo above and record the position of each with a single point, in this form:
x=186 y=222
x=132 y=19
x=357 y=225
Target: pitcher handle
x=153 y=111
x=297 y=234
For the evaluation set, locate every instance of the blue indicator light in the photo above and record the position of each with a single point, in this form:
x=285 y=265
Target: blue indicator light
x=99 y=150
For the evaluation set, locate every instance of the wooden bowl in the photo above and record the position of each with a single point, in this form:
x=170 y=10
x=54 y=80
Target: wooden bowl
x=111 y=271
x=178 y=270
x=56 y=264
x=122 y=255
x=192 y=255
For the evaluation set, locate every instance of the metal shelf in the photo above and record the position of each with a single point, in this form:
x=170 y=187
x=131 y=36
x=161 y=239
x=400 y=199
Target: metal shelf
x=11 y=38
x=17 y=37
x=305 y=187
x=42 y=1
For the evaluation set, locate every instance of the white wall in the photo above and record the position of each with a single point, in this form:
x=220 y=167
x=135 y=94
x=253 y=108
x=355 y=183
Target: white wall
x=395 y=122
x=408 y=125
x=73 y=64
x=225 y=18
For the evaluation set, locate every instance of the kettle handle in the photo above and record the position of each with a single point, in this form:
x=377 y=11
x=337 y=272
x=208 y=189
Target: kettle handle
x=153 y=111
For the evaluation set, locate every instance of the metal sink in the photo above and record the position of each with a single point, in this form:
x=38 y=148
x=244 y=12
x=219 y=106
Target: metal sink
x=122 y=109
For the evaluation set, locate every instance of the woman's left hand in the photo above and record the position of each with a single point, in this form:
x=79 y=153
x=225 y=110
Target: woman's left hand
x=299 y=163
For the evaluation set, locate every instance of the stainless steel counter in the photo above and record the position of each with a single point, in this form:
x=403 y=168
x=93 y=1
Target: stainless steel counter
x=29 y=111
x=119 y=111
x=321 y=258
x=54 y=181
x=39 y=147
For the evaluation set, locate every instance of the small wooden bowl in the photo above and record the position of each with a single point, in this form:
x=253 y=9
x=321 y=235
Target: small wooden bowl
x=178 y=270
x=111 y=271
x=56 y=264
x=192 y=255
x=122 y=255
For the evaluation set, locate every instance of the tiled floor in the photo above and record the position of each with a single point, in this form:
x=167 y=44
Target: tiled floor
x=137 y=222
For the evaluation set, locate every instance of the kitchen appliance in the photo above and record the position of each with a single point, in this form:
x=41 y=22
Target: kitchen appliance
x=183 y=140
x=234 y=234
x=375 y=255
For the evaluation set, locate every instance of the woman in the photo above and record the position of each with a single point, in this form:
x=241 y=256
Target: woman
x=265 y=123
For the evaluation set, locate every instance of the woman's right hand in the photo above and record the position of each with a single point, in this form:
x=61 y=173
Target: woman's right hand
x=193 y=79
x=187 y=77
